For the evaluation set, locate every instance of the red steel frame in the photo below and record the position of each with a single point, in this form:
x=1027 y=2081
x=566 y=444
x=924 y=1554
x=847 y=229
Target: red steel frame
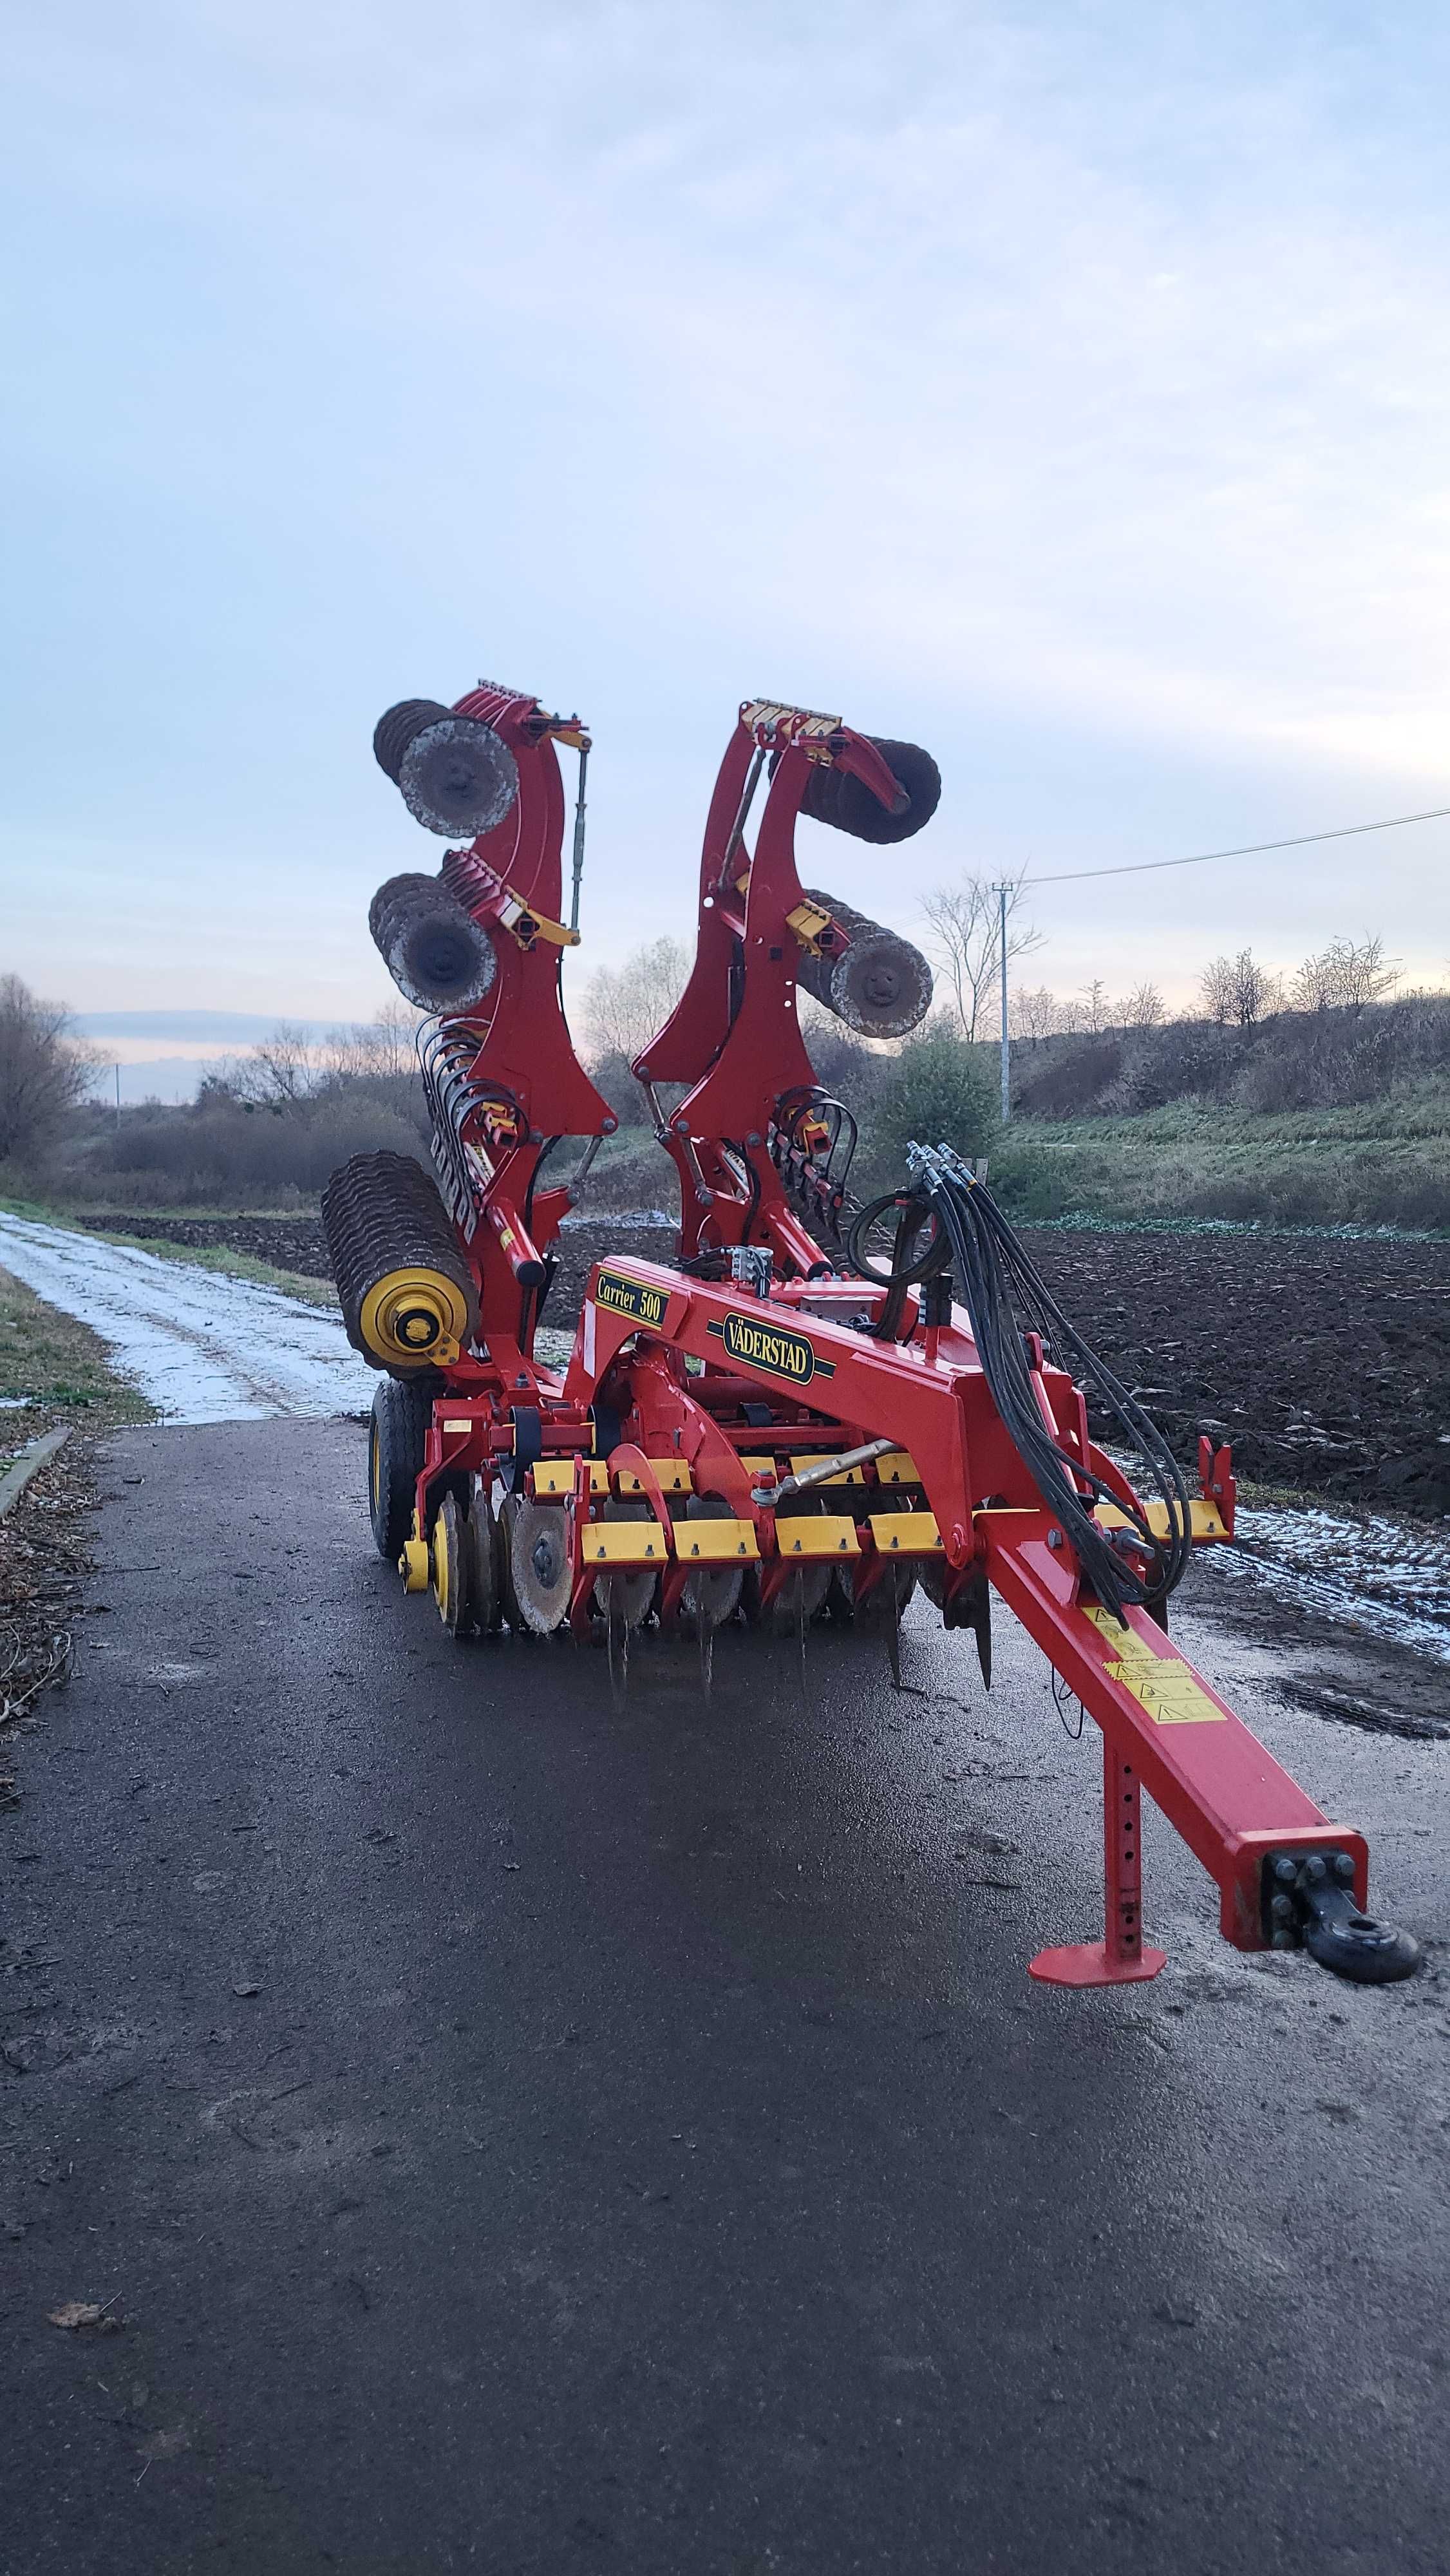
x=734 y=1040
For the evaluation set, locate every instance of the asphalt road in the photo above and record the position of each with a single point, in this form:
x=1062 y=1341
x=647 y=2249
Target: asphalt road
x=645 y=2149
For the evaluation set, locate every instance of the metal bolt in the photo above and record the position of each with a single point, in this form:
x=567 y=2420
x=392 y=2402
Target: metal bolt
x=1054 y=1538
x=609 y=1125
x=753 y=1138
x=1344 y=1865
x=1284 y=1870
x=1282 y=1909
x=682 y=1126
x=1314 y=1870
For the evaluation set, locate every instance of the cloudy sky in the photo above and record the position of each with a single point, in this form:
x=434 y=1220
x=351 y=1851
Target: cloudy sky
x=1065 y=387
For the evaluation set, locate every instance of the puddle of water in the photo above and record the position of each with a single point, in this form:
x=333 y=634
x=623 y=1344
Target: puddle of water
x=1376 y=1574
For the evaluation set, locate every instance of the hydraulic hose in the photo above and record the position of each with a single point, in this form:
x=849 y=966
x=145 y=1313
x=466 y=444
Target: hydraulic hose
x=1004 y=1293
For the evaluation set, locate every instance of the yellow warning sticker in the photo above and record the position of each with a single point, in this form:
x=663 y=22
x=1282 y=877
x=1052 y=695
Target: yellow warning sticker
x=1164 y=1685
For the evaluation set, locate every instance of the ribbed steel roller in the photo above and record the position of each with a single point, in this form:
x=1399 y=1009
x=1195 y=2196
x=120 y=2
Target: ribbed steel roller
x=408 y=1297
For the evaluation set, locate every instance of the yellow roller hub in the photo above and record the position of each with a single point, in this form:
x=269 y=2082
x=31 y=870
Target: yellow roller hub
x=415 y=1316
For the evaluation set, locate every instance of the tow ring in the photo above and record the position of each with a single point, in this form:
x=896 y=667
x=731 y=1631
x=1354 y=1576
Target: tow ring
x=1311 y=1900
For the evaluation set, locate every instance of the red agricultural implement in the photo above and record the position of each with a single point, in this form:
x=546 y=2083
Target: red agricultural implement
x=814 y=1408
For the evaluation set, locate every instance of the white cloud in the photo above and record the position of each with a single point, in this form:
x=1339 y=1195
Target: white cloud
x=1072 y=389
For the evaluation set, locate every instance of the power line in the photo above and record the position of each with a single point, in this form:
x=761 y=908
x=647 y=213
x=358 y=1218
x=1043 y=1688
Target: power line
x=1250 y=850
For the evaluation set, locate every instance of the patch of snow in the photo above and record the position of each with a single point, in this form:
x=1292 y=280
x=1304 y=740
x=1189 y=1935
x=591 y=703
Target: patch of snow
x=1376 y=1574
x=201 y=1346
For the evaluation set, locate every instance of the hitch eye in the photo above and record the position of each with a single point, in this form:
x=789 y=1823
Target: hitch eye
x=1310 y=1904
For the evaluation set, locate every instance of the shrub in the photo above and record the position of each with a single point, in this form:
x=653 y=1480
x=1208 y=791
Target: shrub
x=937 y=1090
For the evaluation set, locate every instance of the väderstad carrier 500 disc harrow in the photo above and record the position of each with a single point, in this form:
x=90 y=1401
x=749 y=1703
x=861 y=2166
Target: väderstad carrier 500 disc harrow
x=816 y=1407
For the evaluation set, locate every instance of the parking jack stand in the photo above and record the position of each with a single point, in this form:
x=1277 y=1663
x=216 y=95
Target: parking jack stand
x=1120 y=1958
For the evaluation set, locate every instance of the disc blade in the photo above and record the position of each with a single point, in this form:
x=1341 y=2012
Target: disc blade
x=539 y=1564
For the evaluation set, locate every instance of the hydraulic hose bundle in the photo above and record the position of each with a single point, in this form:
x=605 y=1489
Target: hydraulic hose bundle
x=950 y=1221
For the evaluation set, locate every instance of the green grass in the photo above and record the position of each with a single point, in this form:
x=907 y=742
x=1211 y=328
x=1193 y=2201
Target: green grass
x=60 y=1367
x=1382 y=1163
x=233 y=1265
x=236 y=1265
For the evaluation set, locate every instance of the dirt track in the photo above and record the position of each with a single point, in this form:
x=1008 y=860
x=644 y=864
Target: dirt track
x=1327 y=1363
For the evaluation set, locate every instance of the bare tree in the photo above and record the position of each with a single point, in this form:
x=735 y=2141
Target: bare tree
x=1093 y=1005
x=1143 y=1008
x=1034 y=1013
x=378 y=1050
x=44 y=1072
x=1240 y=989
x=284 y=1072
x=965 y=923
x=1345 y=975
x=1216 y=984
x=625 y=1005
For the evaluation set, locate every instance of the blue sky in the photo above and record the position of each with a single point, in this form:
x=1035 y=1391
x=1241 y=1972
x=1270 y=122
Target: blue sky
x=1065 y=387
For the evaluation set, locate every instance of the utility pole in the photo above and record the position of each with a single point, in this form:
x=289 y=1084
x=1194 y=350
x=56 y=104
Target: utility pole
x=1002 y=892
x=118 y=1094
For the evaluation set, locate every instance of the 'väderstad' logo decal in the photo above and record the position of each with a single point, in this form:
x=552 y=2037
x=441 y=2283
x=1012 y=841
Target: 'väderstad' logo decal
x=760 y=1345
x=630 y=1297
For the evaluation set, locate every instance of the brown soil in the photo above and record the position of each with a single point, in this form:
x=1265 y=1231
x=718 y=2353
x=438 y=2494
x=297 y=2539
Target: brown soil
x=1325 y=1362
x=288 y=1242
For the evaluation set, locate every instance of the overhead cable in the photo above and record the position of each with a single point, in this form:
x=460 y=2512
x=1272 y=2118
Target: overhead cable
x=1250 y=849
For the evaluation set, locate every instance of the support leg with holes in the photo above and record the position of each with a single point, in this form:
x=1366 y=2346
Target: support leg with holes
x=1120 y=1958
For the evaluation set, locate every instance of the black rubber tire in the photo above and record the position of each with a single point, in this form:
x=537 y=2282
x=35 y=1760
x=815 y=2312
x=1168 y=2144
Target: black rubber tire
x=401 y=1416
x=833 y=796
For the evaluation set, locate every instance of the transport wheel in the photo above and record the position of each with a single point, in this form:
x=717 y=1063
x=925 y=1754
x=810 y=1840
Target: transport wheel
x=482 y=1550
x=451 y=1567
x=399 y=1426
x=538 y=1562
x=631 y=1595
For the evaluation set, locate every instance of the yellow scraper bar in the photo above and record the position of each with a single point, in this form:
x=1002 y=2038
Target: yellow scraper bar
x=673 y=1475
x=898 y=1467
x=556 y=1476
x=715 y=1542
x=817 y=1534
x=624 y=1543
x=1205 y=1520
x=906 y=1533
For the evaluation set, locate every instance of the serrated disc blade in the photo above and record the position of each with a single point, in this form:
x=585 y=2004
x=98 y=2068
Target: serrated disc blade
x=539 y=1564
